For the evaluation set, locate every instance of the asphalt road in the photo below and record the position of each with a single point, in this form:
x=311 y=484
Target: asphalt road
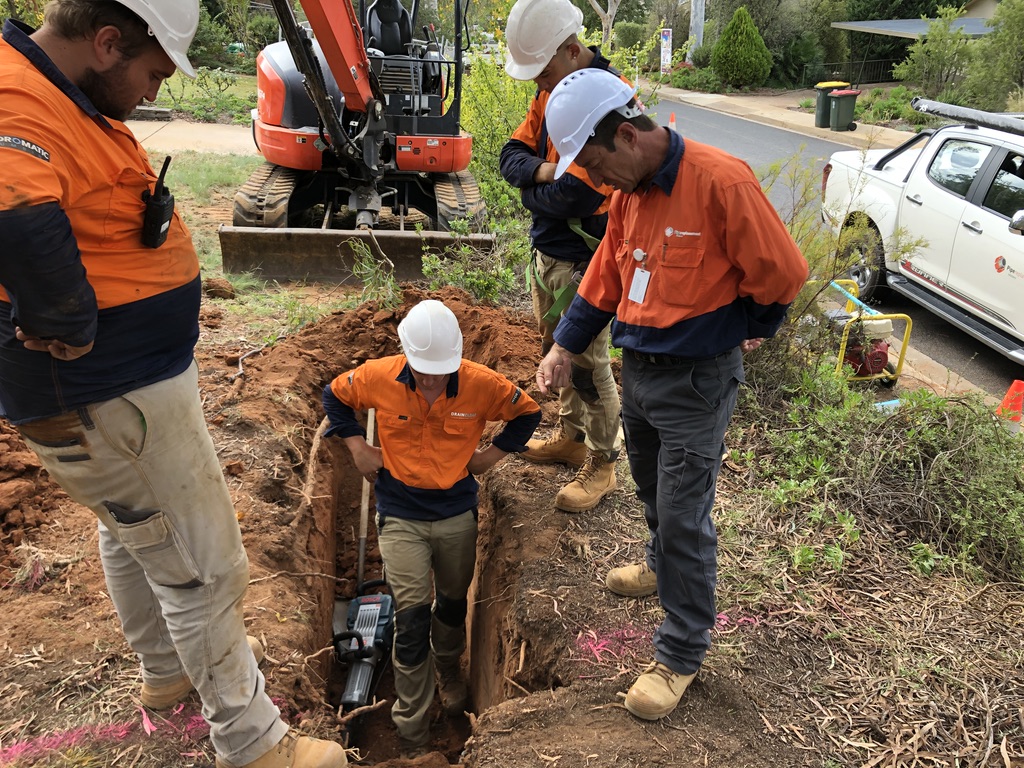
x=760 y=146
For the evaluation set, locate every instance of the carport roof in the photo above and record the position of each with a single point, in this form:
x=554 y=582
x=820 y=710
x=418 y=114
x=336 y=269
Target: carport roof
x=912 y=28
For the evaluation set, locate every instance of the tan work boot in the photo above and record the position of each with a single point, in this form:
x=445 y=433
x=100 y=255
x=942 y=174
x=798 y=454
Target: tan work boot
x=657 y=692
x=594 y=481
x=452 y=690
x=175 y=692
x=632 y=580
x=561 y=447
x=294 y=751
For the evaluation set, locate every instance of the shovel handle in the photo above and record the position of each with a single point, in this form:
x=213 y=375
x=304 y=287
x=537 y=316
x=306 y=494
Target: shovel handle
x=364 y=506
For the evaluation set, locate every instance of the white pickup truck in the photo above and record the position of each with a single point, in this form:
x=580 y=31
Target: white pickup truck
x=957 y=191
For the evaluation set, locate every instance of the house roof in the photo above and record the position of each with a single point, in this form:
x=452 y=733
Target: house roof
x=912 y=28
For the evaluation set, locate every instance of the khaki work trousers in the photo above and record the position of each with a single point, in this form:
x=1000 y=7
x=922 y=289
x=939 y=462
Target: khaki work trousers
x=425 y=559
x=599 y=420
x=171 y=548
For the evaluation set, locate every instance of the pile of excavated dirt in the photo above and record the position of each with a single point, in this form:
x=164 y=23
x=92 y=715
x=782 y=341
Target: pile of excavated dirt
x=551 y=651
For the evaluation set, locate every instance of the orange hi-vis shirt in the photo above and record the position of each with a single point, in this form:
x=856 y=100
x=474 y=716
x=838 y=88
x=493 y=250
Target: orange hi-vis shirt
x=72 y=263
x=531 y=132
x=720 y=265
x=555 y=208
x=52 y=151
x=428 y=446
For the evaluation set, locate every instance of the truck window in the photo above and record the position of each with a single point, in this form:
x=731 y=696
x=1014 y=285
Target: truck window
x=1006 y=195
x=956 y=164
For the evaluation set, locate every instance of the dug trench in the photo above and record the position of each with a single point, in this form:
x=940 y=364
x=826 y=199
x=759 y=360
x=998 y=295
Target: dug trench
x=550 y=651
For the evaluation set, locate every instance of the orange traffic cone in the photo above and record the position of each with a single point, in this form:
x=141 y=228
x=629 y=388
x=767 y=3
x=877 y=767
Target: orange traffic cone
x=1010 y=408
x=672 y=121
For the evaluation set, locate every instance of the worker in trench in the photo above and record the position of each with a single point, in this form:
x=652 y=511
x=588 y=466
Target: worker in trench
x=431 y=410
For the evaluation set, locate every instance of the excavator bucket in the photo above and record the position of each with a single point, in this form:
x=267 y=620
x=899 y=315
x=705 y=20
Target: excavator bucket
x=331 y=255
x=263 y=240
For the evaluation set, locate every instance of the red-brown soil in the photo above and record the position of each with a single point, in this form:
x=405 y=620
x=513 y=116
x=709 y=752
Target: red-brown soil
x=551 y=650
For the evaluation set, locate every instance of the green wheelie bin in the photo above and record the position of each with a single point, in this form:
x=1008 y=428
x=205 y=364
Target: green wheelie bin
x=842 y=105
x=821 y=103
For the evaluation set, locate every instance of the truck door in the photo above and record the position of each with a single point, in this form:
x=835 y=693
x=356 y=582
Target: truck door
x=933 y=206
x=987 y=269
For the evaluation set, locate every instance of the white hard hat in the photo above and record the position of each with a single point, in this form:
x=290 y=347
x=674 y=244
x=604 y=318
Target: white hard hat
x=578 y=104
x=431 y=339
x=173 y=23
x=534 y=31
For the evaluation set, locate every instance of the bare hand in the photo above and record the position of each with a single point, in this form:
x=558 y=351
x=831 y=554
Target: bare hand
x=57 y=349
x=367 y=458
x=553 y=372
x=545 y=173
x=750 y=345
x=483 y=460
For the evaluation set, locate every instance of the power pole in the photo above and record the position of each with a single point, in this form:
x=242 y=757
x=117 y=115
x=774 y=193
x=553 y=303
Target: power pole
x=696 y=27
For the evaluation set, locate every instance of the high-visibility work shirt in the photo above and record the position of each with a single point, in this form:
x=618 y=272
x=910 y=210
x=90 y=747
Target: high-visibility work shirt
x=719 y=264
x=573 y=196
x=73 y=266
x=426 y=447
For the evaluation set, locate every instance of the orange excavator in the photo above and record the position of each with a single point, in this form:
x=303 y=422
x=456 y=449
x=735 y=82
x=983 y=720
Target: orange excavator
x=358 y=121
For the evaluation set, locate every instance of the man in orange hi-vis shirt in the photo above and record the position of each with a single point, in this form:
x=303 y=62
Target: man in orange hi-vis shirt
x=99 y=316
x=697 y=268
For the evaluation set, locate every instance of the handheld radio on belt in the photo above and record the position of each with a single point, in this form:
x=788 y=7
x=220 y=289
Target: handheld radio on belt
x=159 y=211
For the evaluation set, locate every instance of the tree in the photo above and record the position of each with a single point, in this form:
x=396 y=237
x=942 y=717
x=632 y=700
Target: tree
x=607 y=18
x=998 y=66
x=938 y=61
x=740 y=57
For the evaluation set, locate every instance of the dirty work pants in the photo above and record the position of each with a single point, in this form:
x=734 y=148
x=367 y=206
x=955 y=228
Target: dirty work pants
x=591 y=405
x=429 y=567
x=675 y=414
x=170 y=546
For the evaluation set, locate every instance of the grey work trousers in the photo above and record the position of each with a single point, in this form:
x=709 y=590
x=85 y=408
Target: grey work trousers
x=171 y=548
x=675 y=415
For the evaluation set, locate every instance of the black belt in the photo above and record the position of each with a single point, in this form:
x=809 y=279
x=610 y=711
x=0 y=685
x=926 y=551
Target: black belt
x=645 y=357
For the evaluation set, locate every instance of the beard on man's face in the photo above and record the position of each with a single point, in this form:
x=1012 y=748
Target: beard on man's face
x=108 y=91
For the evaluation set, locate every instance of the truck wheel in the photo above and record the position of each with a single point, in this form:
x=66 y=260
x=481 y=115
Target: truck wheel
x=866 y=261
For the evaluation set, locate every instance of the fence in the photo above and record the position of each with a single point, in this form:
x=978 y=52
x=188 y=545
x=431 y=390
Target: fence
x=855 y=72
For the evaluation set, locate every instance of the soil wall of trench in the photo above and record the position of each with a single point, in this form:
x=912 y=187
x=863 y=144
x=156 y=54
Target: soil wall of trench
x=550 y=652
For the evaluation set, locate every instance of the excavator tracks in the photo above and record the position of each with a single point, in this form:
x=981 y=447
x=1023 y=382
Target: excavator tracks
x=263 y=200
x=458 y=197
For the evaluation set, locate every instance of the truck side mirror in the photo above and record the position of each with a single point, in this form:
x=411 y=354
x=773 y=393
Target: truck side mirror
x=1017 y=223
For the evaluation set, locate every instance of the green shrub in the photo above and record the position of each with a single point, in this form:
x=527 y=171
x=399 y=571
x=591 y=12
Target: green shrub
x=939 y=61
x=261 y=31
x=997 y=67
x=740 y=57
x=211 y=40
x=628 y=34
x=690 y=79
x=800 y=51
x=701 y=58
